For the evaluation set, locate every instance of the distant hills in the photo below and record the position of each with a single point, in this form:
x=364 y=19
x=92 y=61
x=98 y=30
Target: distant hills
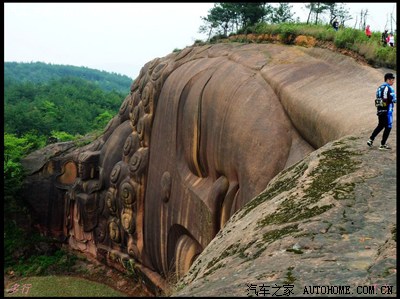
x=40 y=72
x=42 y=98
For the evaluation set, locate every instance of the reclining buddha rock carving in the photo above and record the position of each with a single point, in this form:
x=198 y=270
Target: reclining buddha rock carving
x=200 y=134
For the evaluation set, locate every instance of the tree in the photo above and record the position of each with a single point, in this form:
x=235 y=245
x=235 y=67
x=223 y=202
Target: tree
x=363 y=17
x=339 y=12
x=250 y=13
x=311 y=9
x=316 y=9
x=282 y=13
x=343 y=14
x=224 y=17
x=67 y=104
x=39 y=72
x=221 y=16
x=61 y=136
x=210 y=24
x=14 y=149
x=320 y=8
x=102 y=120
x=332 y=12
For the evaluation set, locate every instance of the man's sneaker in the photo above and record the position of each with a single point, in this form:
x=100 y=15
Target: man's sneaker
x=370 y=142
x=385 y=147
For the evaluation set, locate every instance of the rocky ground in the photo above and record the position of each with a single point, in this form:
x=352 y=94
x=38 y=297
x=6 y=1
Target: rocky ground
x=329 y=221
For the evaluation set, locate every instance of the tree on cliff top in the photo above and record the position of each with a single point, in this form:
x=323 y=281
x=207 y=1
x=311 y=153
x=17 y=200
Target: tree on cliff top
x=226 y=17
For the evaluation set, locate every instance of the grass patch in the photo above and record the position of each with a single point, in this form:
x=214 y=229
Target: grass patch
x=335 y=163
x=276 y=234
x=29 y=253
x=230 y=251
x=289 y=279
x=279 y=186
x=60 y=286
x=346 y=38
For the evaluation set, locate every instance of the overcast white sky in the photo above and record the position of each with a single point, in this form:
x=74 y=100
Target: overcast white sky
x=122 y=37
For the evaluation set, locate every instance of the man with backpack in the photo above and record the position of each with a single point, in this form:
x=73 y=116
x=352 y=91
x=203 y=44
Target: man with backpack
x=384 y=102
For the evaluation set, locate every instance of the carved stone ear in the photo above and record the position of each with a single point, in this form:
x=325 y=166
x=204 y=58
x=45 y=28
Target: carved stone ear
x=69 y=173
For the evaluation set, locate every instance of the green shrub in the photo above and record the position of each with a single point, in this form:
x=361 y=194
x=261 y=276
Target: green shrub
x=346 y=38
x=386 y=56
x=36 y=140
x=326 y=33
x=199 y=42
x=217 y=38
x=62 y=136
x=367 y=49
x=288 y=32
x=24 y=258
x=60 y=262
x=14 y=149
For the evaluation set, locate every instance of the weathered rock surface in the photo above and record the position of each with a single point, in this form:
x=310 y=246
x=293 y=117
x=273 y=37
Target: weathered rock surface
x=329 y=220
x=201 y=133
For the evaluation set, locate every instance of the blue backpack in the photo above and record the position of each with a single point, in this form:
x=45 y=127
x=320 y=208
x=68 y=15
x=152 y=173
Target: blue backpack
x=379 y=101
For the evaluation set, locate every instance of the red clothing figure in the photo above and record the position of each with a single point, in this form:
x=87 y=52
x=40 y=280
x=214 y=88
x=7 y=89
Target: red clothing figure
x=368 y=31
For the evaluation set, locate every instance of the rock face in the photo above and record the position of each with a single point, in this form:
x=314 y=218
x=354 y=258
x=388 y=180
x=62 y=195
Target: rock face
x=201 y=133
x=329 y=220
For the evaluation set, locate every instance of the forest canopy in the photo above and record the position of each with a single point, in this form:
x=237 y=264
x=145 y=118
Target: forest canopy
x=42 y=98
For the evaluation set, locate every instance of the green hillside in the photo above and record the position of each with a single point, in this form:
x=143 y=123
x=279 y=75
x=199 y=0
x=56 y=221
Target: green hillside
x=39 y=72
x=46 y=100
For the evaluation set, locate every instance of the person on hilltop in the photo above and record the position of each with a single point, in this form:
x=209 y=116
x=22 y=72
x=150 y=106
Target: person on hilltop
x=368 y=31
x=391 y=40
x=385 y=99
x=384 y=38
x=335 y=25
